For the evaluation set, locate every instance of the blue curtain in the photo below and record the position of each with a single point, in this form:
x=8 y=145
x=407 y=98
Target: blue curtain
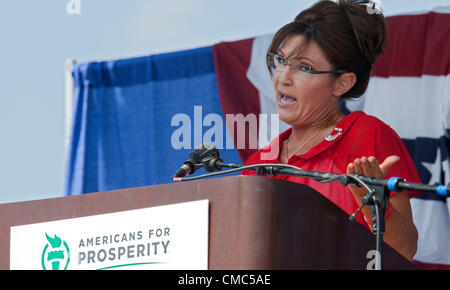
x=121 y=134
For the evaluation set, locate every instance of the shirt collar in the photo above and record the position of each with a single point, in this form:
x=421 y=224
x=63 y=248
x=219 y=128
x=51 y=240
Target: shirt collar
x=337 y=134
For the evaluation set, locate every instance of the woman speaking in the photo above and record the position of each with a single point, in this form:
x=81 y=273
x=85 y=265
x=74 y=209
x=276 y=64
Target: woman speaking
x=321 y=58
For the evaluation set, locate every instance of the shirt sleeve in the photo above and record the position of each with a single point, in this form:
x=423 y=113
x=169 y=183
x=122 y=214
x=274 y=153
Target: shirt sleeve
x=386 y=142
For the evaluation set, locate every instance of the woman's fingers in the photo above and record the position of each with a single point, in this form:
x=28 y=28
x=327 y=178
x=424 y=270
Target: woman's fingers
x=373 y=162
x=371 y=167
x=357 y=164
x=387 y=164
x=350 y=168
x=367 y=168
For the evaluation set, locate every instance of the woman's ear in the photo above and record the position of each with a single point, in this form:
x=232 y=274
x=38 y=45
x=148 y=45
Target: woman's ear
x=344 y=83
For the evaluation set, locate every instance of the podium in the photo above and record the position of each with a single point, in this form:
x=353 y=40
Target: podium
x=255 y=223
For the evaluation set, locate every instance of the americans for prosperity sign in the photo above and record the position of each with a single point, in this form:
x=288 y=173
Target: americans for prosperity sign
x=164 y=237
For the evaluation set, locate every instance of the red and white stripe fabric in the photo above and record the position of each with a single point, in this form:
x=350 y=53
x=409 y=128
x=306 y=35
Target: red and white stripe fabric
x=409 y=90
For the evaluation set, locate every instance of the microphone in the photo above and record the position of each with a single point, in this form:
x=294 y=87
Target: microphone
x=205 y=155
x=185 y=169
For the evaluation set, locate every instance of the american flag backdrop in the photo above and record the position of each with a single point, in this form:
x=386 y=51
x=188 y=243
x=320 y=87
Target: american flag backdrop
x=409 y=90
x=124 y=113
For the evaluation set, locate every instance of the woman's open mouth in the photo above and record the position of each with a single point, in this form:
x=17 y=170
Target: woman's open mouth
x=284 y=100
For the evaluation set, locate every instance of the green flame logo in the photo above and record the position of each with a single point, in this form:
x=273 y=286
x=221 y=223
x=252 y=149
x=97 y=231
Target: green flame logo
x=56 y=254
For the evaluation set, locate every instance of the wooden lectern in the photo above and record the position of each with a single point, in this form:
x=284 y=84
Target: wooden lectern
x=255 y=222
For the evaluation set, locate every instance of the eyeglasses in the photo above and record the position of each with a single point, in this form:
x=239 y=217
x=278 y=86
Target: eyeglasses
x=299 y=71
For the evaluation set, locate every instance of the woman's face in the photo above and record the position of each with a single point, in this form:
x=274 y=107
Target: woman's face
x=305 y=102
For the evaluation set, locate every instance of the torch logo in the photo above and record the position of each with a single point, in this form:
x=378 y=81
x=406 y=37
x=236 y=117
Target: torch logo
x=56 y=254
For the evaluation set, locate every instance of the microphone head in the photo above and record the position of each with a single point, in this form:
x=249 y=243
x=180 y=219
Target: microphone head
x=208 y=155
x=203 y=152
x=182 y=171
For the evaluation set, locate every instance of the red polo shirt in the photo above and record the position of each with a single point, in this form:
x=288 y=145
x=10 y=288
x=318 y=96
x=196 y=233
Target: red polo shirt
x=361 y=135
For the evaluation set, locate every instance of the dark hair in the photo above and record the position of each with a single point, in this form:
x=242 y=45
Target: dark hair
x=351 y=33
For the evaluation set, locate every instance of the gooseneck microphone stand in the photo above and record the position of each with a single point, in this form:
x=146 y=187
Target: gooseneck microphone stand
x=377 y=197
